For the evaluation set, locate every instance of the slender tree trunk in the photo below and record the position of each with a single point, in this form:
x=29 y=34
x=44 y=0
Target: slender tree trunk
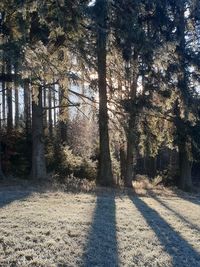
x=16 y=105
x=105 y=176
x=63 y=114
x=50 y=113
x=54 y=110
x=3 y=98
x=45 y=105
x=27 y=108
x=38 y=150
x=1 y=171
x=9 y=101
x=83 y=93
x=10 y=109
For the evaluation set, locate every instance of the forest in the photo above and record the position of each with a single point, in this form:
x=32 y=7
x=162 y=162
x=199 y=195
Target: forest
x=99 y=99
x=102 y=91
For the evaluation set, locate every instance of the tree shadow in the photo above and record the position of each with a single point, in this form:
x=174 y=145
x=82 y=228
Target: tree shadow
x=181 y=252
x=8 y=197
x=182 y=218
x=101 y=248
x=10 y=192
x=188 y=197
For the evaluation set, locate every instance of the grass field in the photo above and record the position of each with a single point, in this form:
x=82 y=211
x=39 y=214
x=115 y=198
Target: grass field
x=111 y=228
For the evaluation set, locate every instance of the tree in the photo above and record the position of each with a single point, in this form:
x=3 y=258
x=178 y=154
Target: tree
x=16 y=101
x=38 y=154
x=105 y=176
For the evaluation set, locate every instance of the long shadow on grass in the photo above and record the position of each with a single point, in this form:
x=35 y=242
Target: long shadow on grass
x=9 y=196
x=181 y=252
x=182 y=218
x=101 y=248
x=189 y=198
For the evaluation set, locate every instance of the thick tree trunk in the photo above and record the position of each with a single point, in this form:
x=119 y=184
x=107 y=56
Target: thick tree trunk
x=105 y=176
x=131 y=132
x=122 y=162
x=185 y=165
x=38 y=150
x=131 y=152
x=185 y=179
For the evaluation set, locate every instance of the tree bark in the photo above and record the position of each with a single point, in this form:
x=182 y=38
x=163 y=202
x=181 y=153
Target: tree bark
x=54 y=110
x=105 y=176
x=10 y=109
x=45 y=105
x=9 y=101
x=50 y=113
x=130 y=159
x=131 y=134
x=16 y=103
x=185 y=163
x=1 y=171
x=122 y=162
x=185 y=180
x=27 y=108
x=63 y=114
x=3 y=98
x=38 y=149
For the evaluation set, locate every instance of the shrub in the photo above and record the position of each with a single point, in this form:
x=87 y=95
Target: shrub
x=66 y=163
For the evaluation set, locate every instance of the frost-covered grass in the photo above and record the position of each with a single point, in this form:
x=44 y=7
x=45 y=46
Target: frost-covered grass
x=108 y=229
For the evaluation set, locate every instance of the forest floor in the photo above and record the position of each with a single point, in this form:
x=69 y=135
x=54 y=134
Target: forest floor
x=107 y=228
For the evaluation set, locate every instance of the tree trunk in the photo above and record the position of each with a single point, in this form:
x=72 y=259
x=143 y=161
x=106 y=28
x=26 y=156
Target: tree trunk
x=122 y=162
x=3 y=99
x=63 y=114
x=16 y=105
x=1 y=171
x=2 y=177
x=45 y=105
x=54 y=110
x=131 y=134
x=50 y=113
x=185 y=165
x=10 y=109
x=9 y=100
x=27 y=108
x=185 y=179
x=105 y=176
x=38 y=150
x=130 y=159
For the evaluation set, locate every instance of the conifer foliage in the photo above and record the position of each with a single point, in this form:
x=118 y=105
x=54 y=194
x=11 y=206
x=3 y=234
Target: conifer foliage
x=115 y=84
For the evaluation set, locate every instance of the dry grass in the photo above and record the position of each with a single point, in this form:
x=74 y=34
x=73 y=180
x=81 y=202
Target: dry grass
x=108 y=229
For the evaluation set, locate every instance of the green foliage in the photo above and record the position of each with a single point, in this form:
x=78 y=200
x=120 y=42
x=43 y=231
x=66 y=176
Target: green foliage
x=65 y=163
